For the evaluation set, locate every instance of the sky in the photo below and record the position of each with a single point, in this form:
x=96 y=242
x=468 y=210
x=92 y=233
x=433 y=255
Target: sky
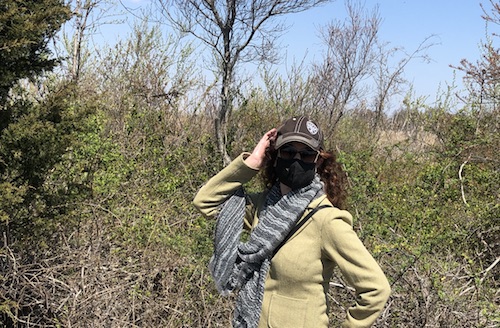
x=456 y=28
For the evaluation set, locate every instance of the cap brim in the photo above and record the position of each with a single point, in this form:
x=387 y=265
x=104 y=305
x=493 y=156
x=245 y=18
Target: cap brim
x=286 y=138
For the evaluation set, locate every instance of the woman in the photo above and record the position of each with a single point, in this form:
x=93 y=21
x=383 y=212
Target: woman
x=282 y=276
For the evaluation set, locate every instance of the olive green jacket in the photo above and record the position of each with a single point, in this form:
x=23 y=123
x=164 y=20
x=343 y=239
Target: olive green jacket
x=298 y=279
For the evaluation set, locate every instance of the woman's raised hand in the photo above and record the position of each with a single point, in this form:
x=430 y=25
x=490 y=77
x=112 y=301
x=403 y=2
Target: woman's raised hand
x=258 y=159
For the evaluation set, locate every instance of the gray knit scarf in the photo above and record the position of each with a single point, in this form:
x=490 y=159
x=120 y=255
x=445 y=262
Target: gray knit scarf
x=242 y=266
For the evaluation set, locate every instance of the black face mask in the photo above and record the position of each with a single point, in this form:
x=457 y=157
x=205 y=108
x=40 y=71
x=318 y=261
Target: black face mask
x=294 y=173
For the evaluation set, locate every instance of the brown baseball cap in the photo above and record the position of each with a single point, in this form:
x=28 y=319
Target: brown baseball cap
x=300 y=129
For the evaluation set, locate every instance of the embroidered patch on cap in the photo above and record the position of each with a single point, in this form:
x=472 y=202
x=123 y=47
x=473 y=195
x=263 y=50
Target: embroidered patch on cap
x=312 y=128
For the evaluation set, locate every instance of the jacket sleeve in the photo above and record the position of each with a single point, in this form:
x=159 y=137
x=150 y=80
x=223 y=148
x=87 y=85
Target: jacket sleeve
x=359 y=269
x=223 y=185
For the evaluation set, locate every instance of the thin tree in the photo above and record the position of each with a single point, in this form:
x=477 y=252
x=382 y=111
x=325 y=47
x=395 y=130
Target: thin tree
x=389 y=79
x=357 y=65
x=349 y=60
x=87 y=17
x=82 y=10
x=235 y=31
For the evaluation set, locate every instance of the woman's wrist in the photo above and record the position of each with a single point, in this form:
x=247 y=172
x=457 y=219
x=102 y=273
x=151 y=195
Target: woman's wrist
x=253 y=162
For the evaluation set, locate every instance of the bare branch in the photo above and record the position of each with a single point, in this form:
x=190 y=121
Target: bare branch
x=462 y=182
x=235 y=31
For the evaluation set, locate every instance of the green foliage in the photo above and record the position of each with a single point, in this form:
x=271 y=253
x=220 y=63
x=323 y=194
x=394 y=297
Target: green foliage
x=32 y=147
x=432 y=210
x=427 y=212
x=26 y=27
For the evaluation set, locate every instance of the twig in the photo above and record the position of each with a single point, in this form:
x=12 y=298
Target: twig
x=385 y=313
x=462 y=182
x=488 y=269
x=334 y=284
